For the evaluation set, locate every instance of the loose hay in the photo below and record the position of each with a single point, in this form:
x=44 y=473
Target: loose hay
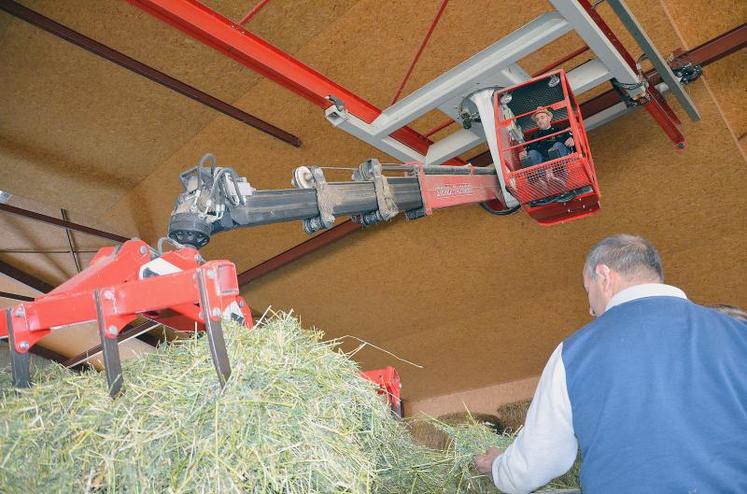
x=428 y=433
x=295 y=417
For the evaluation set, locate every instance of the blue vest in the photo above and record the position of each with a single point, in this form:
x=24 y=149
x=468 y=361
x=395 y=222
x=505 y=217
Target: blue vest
x=658 y=390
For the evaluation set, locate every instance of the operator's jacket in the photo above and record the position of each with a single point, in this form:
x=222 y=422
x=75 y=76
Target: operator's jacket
x=544 y=145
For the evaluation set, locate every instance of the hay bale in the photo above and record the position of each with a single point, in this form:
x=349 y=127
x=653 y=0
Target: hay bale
x=512 y=416
x=426 y=432
x=295 y=417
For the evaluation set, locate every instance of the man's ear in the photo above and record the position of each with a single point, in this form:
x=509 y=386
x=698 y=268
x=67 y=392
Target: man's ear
x=603 y=274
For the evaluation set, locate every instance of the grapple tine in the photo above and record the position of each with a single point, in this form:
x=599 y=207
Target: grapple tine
x=216 y=342
x=19 y=362
x=397 y=408
x=110 y=352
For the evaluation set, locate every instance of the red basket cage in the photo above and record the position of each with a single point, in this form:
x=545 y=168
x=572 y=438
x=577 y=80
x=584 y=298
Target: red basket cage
x=559 y=188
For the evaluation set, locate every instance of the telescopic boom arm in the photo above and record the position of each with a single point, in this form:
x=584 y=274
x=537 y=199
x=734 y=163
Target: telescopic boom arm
x=217 y=199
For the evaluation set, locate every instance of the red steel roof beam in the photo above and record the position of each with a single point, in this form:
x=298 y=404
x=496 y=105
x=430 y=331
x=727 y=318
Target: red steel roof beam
x=211 y=28
x=657 y=107
x=602 y=25
x=439 y=127
x=718 y=47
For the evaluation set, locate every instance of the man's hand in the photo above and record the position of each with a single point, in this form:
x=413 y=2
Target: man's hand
x=522 y=154
x=484 y=462
x=569 y=142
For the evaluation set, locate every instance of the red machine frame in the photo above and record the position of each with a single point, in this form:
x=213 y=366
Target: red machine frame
x=118 y=286
x=387 y=379
x=114 y=290
x=443 y=191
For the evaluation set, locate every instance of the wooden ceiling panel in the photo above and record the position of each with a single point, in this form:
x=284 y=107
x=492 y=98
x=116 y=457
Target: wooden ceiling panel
x=286 y=25
x=697 y=22
x=11 y=285
x=728 y=79
x=81 y=131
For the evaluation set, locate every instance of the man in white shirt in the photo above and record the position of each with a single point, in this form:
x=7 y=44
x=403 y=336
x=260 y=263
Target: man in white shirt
x=624 y=389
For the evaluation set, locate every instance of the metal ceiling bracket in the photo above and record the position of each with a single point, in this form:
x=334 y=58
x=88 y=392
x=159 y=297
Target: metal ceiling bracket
x=371 y=171
x=661 y=65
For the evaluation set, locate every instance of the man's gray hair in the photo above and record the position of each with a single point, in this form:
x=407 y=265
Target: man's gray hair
x=629 y=255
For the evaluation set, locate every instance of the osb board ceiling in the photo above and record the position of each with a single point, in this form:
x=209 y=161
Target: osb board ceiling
x=95 y=127
x=696 y=23
x=475 y=299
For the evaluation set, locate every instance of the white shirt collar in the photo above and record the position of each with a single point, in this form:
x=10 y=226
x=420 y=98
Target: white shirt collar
x=644 y=290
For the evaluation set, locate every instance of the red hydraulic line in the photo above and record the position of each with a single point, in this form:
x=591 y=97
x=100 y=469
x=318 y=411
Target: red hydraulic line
x=140 y=68
x=561 y=61
x=252 y=12
x=211 y=28
x=439 y=127
x=435 y=20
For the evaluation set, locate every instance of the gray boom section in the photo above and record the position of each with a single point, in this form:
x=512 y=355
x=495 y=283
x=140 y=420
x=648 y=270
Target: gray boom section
x=347 y=198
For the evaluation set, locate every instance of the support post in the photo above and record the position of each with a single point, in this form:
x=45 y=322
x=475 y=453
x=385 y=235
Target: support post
x=110 y=349
x=19 y=362
x=214 y=330
x=662 y=67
